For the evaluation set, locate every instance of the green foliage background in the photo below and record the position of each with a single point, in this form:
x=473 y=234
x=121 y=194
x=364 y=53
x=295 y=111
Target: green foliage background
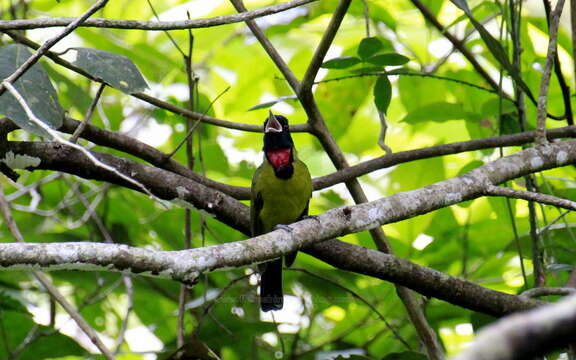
x=474 y=240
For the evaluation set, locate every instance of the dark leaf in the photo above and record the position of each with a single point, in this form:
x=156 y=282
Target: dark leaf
x=116 y=70
x=35 y=88
x=341 y=62
x=368 y=47
x=382 y=93
x=388 y=59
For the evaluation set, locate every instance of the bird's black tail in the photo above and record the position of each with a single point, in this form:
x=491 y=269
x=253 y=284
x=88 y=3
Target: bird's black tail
x=271 y=297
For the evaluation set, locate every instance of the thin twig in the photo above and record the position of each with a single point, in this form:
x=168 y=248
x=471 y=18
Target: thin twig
x=548 y=291
x=195 y=125
x=545 y=82
x=531 y=196
x=48 y=44
x=88 y=116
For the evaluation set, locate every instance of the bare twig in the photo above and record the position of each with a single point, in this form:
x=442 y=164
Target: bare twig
x=48 y=44
x=548 y=291
x=531 y=196
x=545 y=82
x=89 y=113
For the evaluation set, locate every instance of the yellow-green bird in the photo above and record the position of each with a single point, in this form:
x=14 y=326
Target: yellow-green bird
x=281 y=191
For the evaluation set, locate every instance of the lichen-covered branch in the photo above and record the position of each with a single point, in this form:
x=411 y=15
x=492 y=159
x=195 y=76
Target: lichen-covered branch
x=187 y=265
x=152 y=25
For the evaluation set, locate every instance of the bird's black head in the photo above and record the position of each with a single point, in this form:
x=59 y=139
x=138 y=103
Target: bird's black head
x=278 y=145
x=277 y=133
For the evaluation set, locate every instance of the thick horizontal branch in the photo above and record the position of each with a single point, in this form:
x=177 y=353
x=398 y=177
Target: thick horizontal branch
x=187 y=265
x=306 y=233
x=526 y=335
x=152 y=25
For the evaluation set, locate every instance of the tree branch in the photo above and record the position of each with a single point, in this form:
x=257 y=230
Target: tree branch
x=545 y=82
x=531 y=196
x=152 y=25
x=522 y=336
x=187 y=265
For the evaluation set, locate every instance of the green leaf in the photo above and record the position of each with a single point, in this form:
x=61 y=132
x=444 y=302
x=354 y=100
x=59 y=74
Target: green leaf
x=368 y=47
x=437 y=112
x=35 y=88
x=116 y=70
x=382 y=93
x=273 y=102
x=341 y=62
x=388 y=59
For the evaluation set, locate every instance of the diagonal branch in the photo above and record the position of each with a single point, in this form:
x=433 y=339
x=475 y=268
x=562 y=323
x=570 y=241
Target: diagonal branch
x=322 y=49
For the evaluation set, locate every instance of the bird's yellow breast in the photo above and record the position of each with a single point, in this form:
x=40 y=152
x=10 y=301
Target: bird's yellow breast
x=284 y=200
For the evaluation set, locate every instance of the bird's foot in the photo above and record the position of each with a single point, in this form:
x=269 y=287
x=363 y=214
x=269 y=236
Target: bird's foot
x=283 y=227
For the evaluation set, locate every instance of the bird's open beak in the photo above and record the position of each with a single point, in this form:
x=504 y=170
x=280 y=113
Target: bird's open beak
x=272 y=125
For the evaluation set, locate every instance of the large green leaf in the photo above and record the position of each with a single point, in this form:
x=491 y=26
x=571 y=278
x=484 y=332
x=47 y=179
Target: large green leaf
x=116 y=70
x=36 y=89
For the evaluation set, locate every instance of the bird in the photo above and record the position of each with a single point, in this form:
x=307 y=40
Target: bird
x=280 y=195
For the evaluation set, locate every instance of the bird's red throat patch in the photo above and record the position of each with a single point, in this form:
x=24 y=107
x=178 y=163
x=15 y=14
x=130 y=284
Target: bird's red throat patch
x=279 y=157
